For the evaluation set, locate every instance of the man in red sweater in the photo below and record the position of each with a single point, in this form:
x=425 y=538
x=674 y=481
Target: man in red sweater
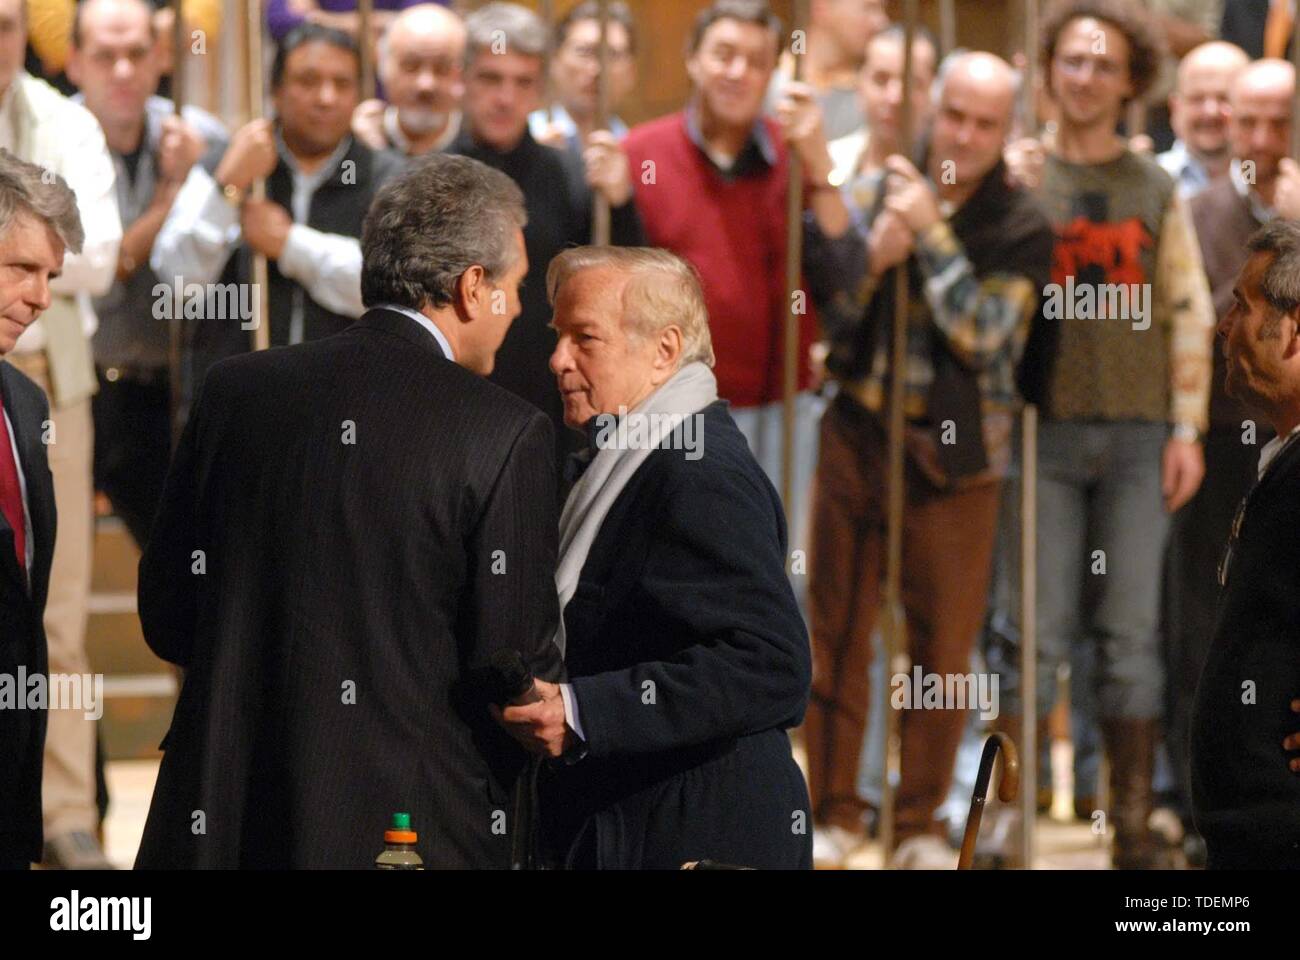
x=711 y=186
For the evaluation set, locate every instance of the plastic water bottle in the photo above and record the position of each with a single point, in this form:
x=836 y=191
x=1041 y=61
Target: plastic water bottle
x=399 y=846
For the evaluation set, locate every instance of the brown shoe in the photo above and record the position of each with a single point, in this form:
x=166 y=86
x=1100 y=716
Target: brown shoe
x=1131 y=747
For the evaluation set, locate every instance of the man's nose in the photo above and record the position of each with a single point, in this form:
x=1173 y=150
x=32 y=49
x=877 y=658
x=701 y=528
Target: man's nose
x=559 y=358
x=38 y=293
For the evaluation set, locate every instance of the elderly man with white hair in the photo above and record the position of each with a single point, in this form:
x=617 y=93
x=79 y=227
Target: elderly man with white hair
x=421 y=59
x=686 y=655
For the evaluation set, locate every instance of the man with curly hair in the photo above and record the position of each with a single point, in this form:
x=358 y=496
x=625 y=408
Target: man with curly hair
x=1120 y=366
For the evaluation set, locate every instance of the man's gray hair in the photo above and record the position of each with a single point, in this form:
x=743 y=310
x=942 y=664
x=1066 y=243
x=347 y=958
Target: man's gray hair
x=663 y=290
x=31 y=190
x=1281 y=281
x=506 y=28
x=433 y=221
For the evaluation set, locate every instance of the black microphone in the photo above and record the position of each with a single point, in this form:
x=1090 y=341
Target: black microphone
x=514 y=681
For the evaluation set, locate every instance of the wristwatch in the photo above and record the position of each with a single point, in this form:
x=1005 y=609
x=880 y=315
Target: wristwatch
x=1186 y=433
x=232 y=194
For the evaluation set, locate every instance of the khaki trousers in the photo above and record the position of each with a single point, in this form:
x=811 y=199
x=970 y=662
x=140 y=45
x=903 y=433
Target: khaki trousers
x=68 y=784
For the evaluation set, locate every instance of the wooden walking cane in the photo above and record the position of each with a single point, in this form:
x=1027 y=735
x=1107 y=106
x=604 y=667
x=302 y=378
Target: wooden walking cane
x=175 y=324
x=947 y=26
x=256 y=111
x=1008 y=785
x=793 y=277
x=365 y=47
x=1029 y=521
x=894 y=619
x=600 y=228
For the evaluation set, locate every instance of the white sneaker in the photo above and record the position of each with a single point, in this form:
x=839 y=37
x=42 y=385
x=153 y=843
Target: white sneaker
x=925 y=852
x=832 y=845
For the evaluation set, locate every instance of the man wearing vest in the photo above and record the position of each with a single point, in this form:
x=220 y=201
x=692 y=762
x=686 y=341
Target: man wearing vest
x=41 y=126
x=319 y=184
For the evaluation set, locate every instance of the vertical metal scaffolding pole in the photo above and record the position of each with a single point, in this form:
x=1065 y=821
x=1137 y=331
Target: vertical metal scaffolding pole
x=257 y=111
x=600 y=227
x=793 y=278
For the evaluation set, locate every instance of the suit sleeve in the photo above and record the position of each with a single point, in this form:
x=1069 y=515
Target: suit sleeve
x=512 y=553
x=716 y=574
x=168 y=583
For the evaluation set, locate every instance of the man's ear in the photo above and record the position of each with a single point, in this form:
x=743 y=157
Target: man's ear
x=473 y=293
x=668 y=352
x=1292 y=348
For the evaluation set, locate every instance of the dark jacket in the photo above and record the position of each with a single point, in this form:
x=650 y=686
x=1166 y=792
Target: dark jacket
x=559 y=207
x=338 y=206
x=375 y=521
x=22 y=633
x=1245 y=799
x=690 y=661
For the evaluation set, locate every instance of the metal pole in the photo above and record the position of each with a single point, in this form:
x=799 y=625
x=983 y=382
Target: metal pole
x=546 y=10
x=947 y=26
x=894 y=621
x=600 y=208
x=1029 y=529
x=1295 y=60
x=175 y=331
x=365 y=46
x=257 y=111
x=793 y=278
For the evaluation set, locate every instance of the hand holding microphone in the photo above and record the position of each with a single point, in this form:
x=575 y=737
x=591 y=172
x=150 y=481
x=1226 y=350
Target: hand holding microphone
x=534 y=715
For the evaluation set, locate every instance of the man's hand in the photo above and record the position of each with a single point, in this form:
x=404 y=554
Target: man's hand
x=909 y=194
x=368 y=123
x=1182 y=468
x=538 y=727
x=179 y=149
x=251 y=155
x=1292 y=742
x=1025 y=160
x=1286 y=195
x=607 y=169
x=266 y=226
x=889 y=243
x=800 y=117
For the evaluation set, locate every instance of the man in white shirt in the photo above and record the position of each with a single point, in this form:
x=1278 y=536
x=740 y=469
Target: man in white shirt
x=38 y=222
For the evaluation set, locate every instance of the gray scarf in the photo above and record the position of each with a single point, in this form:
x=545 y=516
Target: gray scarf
x=688 y=391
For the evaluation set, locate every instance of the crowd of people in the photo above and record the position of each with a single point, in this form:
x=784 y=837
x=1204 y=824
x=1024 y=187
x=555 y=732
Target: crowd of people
x=1047 y=253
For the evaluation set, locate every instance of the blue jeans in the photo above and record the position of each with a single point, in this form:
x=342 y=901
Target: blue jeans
x=762 y=429
x=1099 y=490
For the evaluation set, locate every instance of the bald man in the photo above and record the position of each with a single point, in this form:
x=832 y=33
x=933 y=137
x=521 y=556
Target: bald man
x=1198 y=113
x=1261 y=185
x=421 y=56
x=981 y=251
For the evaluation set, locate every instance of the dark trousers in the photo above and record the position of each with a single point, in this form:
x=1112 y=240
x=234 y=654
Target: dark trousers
x=1198 y=534
x=133 y=445
x=947 y=552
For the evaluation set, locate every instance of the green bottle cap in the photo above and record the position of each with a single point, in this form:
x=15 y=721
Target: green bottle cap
x=401 y=821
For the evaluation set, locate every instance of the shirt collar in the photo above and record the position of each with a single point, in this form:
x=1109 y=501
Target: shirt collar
x=324 y=170
x=1262 y=211
x=758 y=149
x=425 y=322
x=1271 y=449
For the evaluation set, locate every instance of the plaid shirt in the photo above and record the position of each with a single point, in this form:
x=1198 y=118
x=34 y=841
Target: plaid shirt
x=985 y=320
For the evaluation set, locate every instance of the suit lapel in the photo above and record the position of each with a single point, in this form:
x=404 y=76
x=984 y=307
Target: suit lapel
x=33 y=460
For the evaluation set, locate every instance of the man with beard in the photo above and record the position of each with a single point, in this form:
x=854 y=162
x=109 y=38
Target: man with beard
x=1198 y=113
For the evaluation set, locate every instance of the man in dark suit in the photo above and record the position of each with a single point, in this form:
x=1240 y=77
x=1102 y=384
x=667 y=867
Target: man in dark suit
x=351 y=528
x=1245 y=798
x=38 y=222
